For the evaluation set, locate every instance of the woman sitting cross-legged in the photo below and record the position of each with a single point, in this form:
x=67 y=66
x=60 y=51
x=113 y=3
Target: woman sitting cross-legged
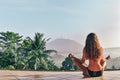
x=94 y=53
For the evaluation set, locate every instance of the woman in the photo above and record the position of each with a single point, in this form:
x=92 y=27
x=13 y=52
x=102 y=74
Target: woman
x=94 y=53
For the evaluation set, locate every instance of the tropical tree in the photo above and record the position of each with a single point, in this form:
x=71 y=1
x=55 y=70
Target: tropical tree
x=30 y=54
x=9 y=44
x=35 y=55
x=67 y=64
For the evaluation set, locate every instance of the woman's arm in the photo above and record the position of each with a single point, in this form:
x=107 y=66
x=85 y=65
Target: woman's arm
x=103 y=62
x=81 y=61
x=74 y=58
x=105 y=59
x=84 y=57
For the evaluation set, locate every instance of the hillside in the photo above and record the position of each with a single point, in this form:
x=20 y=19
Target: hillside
x=57 y=59
x=64 y=47
x=113 y=52
x=113 y=63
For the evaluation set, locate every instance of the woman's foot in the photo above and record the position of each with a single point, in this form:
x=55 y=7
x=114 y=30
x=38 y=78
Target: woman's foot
x=86 y=75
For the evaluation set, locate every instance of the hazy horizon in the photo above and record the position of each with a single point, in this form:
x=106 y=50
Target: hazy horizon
x=83 y=44
x=63 y=19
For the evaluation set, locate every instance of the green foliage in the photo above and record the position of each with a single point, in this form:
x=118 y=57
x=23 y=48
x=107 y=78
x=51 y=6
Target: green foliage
x=52 y=66
x=35 y=53
x=10 y=67
x=67 y=64
x=9 y=42
x=27 y=54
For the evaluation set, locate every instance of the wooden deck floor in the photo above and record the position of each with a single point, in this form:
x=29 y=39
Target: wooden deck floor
x=38 y=75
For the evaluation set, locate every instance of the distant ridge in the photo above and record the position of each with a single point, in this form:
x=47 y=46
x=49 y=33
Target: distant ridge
x=112 y=48
x=113 y=52
x=113 y=63
x=65 y=45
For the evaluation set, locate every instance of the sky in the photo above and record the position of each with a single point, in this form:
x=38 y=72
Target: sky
x=71 y=19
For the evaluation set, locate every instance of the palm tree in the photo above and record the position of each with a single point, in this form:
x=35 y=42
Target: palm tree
x=9 y=44
x=16 y=53
x=35 y=53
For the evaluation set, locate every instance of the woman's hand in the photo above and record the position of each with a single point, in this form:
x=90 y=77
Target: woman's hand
x=108 y=57
x=70 y=56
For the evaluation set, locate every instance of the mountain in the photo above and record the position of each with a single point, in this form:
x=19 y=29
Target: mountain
x=113 y=63
x=113 y=52
x=57 y=59
x=64 y=45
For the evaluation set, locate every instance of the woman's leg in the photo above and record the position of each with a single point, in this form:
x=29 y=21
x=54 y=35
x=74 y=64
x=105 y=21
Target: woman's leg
x=78 y=63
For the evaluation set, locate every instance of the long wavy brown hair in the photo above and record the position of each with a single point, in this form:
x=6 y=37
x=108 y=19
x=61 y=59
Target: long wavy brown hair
x=92 y=46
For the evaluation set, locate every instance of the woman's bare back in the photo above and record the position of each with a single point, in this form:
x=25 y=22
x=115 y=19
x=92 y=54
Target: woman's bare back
x=95 y=63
